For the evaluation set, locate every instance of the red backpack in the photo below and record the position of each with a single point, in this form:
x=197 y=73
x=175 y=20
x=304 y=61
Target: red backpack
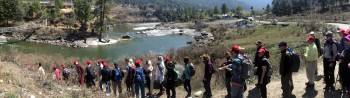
x=267 y=53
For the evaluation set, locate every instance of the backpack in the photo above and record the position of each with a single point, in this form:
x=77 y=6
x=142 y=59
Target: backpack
x=106 y=74
x=267 y=52
x=295 y=60
x=269 y=71
x=139 y=75
x=118 y=75
x=66 y=72
x=192 y=70
x=131 y=72
x=246 y=65
x=337 y=45
x=212 y=68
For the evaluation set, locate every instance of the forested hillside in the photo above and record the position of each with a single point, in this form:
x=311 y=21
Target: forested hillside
x=202 y=4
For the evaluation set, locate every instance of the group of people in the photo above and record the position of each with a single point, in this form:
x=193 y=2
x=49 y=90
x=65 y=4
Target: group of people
x=140 y=76
x=137 y=77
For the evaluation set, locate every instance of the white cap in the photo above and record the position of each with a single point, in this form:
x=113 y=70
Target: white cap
x=312 y=32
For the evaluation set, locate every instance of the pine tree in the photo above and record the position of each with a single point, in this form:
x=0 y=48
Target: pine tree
x=268 y=9
x=216 y=10
x=224 y=9
x=83 y=12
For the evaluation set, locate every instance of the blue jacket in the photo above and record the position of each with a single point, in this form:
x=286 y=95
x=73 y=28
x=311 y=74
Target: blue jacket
x=237 y=70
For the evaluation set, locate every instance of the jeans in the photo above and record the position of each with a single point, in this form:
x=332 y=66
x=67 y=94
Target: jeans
x=328 y=72
x=237 y=91
x=187 y=86
x=108 y=88
x=263 y=90
x=286 y=86
x=310 y=71
x=228 y=87
x=207 y=88
x=138 y=87
x=116 y=85
x=170 y=87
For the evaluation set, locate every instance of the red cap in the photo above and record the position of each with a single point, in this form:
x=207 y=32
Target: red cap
x=310 y=38
x=138 y=62
x=341 y=31
x=167 y=58
x=62 y=65
x=105 y=64
x=99 y=60
x=54 y=67
x=261 y=51
x=235 y=48
x=88 y=62
x=75 y=62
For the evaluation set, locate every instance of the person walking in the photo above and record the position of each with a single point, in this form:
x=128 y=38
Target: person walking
x=285 y=70
x=106 y=77
x=329 y=60
x=130 y=75
x=148 y=69
x=139 y=80
x=80 y=71
x=187 y=76
x=160 y=73
x=345 y=64
x=90 y=75
x=236 y=69
x=41 y=71
x=208 y=72
x=342 y=46
x=57 y=73
x=171 y=76
x=227 y=74
x=262 y=70
x=66 y=72
x=311 y=55
x=117 y=77
x=318 y=45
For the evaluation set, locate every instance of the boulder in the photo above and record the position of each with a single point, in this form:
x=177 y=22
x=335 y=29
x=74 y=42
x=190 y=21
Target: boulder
x=198 y=94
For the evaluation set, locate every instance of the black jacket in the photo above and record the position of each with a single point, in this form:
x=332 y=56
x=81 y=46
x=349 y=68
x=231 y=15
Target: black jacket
x=285 y=63
x=343 y=66
x=90 y=74
x=106 y=74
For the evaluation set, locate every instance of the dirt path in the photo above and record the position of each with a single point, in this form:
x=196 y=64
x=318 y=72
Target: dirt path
x=10 y=71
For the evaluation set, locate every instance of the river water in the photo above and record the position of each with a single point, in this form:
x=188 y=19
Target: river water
x=139 y=45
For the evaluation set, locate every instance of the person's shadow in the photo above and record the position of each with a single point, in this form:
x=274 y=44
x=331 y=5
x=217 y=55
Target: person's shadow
x=254 y=93
x=310 y=93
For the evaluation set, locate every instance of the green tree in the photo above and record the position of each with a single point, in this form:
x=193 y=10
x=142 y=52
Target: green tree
x=224 y=9
x=216 y=10
x=58 y=4
x=83 y=12
x=9 y=10
x=268 y=9
x=239 y=11
x=288 y=7
x=103 y=7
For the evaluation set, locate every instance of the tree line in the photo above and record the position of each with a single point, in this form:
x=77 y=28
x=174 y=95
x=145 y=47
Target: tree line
x=288 y=7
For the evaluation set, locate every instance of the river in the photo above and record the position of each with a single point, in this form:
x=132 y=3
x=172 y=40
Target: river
x=139 y=45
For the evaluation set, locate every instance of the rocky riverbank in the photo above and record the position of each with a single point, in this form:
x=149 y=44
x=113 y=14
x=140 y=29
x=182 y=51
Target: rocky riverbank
x=57 y=36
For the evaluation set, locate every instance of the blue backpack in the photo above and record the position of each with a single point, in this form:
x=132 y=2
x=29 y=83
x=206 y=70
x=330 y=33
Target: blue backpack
x=118 y=75
x=139 y=75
